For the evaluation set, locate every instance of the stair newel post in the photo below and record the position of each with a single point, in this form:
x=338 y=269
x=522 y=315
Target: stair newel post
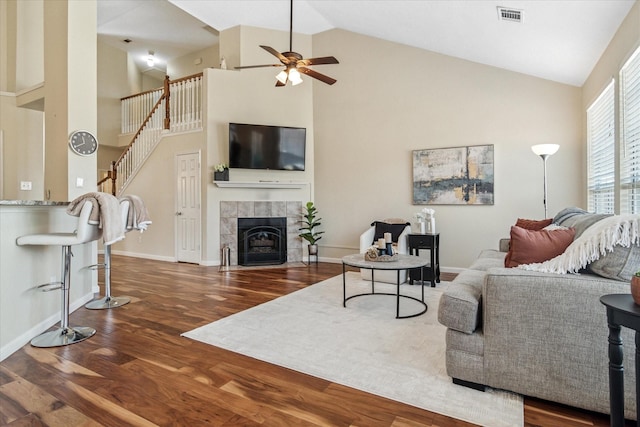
x=114 y=176
x=167 y=95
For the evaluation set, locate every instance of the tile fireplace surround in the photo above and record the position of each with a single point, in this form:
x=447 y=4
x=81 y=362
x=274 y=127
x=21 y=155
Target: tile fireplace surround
x=230 y=211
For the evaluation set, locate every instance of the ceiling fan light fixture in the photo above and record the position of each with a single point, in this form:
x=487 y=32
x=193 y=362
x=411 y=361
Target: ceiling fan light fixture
x=294 y=76
x=151 y=60
x=282 y=77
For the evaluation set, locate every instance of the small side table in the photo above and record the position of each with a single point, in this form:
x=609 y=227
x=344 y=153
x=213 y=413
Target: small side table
x=621 y=311
x=430 y=242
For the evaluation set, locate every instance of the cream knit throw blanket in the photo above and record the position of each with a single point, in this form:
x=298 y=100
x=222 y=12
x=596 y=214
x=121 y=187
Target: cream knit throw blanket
x=596 y=240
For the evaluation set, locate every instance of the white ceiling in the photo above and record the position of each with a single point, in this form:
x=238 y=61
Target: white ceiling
x=559 y=40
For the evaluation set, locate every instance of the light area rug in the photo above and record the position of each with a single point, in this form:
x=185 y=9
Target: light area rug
x=362 y=346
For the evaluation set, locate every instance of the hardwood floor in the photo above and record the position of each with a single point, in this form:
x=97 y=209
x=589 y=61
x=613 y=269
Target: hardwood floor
x=138 y=371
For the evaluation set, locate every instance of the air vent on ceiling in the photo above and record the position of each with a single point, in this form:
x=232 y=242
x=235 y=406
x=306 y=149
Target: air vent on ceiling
x=511 y=15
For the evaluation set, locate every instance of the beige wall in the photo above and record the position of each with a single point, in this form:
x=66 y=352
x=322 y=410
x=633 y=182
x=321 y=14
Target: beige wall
x=391 y=99
x=112 y=75
x=29 y=44
x=156 y=184
x=22 y=150
x=623 y=44
x=8 y=33
x=193 y=63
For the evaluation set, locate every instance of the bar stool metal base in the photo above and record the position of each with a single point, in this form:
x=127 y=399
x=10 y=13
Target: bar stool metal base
x=63 y=336
x=107 y=302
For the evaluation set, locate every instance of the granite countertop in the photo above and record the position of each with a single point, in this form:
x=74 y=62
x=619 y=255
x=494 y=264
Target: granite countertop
x=32 y=203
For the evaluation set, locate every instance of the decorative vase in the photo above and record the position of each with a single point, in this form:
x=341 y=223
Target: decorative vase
x=635 y=289
x=423 y=227
x=313 y=249
x=431 y=226
x=221 y=176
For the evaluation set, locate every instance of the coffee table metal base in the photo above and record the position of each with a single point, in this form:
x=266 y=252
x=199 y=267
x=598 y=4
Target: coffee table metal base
x=398 y=295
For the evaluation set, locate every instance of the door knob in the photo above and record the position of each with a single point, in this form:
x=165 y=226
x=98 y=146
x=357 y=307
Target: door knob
x=178 y=213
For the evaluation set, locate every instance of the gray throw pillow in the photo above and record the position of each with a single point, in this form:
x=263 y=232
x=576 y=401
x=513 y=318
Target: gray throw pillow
x=620 y=264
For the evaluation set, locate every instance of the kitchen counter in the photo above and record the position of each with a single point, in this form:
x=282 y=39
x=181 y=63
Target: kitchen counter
x=24 y=311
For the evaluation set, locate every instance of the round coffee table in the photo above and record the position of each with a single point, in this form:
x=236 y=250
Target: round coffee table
x=403 y=262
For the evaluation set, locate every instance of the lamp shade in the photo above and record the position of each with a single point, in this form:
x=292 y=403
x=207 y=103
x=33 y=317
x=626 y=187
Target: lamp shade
x=545 y=149
x=294 y=76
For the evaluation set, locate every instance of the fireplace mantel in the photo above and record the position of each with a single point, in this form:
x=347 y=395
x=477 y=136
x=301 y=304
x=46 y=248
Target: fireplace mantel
x=261 y=184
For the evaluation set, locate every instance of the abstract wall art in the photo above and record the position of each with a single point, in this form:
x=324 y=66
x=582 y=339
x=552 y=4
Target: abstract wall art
x=453 y=176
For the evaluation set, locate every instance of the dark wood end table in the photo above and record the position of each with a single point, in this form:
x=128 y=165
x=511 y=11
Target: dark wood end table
x=621 y=311
x=430 y=242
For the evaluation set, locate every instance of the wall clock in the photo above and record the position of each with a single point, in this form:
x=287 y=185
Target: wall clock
x=83 y=142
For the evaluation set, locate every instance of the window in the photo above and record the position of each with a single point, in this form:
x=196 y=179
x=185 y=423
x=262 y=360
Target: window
x=630 y=135
x=601 y=152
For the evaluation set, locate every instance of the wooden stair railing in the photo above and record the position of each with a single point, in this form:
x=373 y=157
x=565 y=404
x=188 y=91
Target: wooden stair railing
x=182 y=111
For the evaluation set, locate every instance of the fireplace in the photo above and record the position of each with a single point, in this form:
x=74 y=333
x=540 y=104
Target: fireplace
x=262 y=241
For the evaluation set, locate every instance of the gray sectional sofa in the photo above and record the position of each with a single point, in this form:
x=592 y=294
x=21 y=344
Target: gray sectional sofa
x=537 y=334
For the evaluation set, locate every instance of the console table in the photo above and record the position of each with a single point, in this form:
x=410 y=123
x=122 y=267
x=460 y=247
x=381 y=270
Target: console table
x=621 y=311
x=430 y=242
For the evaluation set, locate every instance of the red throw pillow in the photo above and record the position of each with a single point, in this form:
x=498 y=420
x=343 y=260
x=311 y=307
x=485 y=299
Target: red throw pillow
x=531 y=246
x=533 y=224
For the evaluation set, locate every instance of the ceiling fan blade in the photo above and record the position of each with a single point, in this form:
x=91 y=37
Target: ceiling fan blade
x=319 y=61
x=279 y=83
x=258 y=66
x=316 y=75
x=277 y=54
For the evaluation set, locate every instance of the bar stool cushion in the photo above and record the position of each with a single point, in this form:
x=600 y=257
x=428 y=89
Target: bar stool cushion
x=84 y=233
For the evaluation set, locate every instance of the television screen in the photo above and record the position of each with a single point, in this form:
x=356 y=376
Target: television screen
x=266 y=147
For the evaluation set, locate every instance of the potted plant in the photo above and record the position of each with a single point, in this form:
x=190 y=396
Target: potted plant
x=635 y=287
x=221 y=172
x=310 y=222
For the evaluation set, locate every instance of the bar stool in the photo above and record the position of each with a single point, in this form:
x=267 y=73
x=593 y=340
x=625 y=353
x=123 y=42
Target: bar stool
x=85 y=232
x=109 y=301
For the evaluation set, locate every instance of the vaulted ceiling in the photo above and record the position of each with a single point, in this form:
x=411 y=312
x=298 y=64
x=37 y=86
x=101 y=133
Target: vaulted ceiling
x=559 y=40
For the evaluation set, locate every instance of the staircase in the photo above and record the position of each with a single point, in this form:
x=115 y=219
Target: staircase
x=174 y=108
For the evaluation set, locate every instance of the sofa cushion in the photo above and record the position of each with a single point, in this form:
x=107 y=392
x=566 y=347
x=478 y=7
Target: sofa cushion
x=619 y=264
x=615 y=236
x=487 y=259
x=529 y=246
x=577 y=219
x=532 y=224
x=460 y=307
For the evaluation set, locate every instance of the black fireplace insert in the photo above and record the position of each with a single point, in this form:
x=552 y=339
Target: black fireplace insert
x=262 y=241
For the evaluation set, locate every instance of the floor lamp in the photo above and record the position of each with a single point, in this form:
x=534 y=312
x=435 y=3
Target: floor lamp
x=544 y=151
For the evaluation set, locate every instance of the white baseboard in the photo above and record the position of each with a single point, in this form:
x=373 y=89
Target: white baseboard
x=17 y=343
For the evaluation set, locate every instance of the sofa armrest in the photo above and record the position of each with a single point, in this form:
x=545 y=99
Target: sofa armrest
x=546 y=336
x=460 y=305
x=403 y=240
x=366 y=239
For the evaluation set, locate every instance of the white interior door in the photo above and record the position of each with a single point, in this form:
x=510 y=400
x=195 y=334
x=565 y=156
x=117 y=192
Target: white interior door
x=188 y=208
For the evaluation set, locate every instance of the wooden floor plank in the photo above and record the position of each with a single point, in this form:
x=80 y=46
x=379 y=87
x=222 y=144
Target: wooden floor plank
x=138 y=370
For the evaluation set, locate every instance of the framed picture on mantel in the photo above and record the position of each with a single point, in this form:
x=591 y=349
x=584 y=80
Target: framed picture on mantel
x=453 y=176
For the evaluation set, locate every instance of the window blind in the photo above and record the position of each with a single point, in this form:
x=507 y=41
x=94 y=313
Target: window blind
x=601 y=152
x=630 y=135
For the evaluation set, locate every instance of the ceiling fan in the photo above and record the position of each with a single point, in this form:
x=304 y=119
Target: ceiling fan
x=294 y=63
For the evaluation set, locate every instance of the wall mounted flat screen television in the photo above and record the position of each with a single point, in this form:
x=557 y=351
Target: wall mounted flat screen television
x=266 y=147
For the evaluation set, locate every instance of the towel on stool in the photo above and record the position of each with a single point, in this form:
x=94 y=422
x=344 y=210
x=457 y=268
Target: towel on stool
x=105 y=213
x=138 y=217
